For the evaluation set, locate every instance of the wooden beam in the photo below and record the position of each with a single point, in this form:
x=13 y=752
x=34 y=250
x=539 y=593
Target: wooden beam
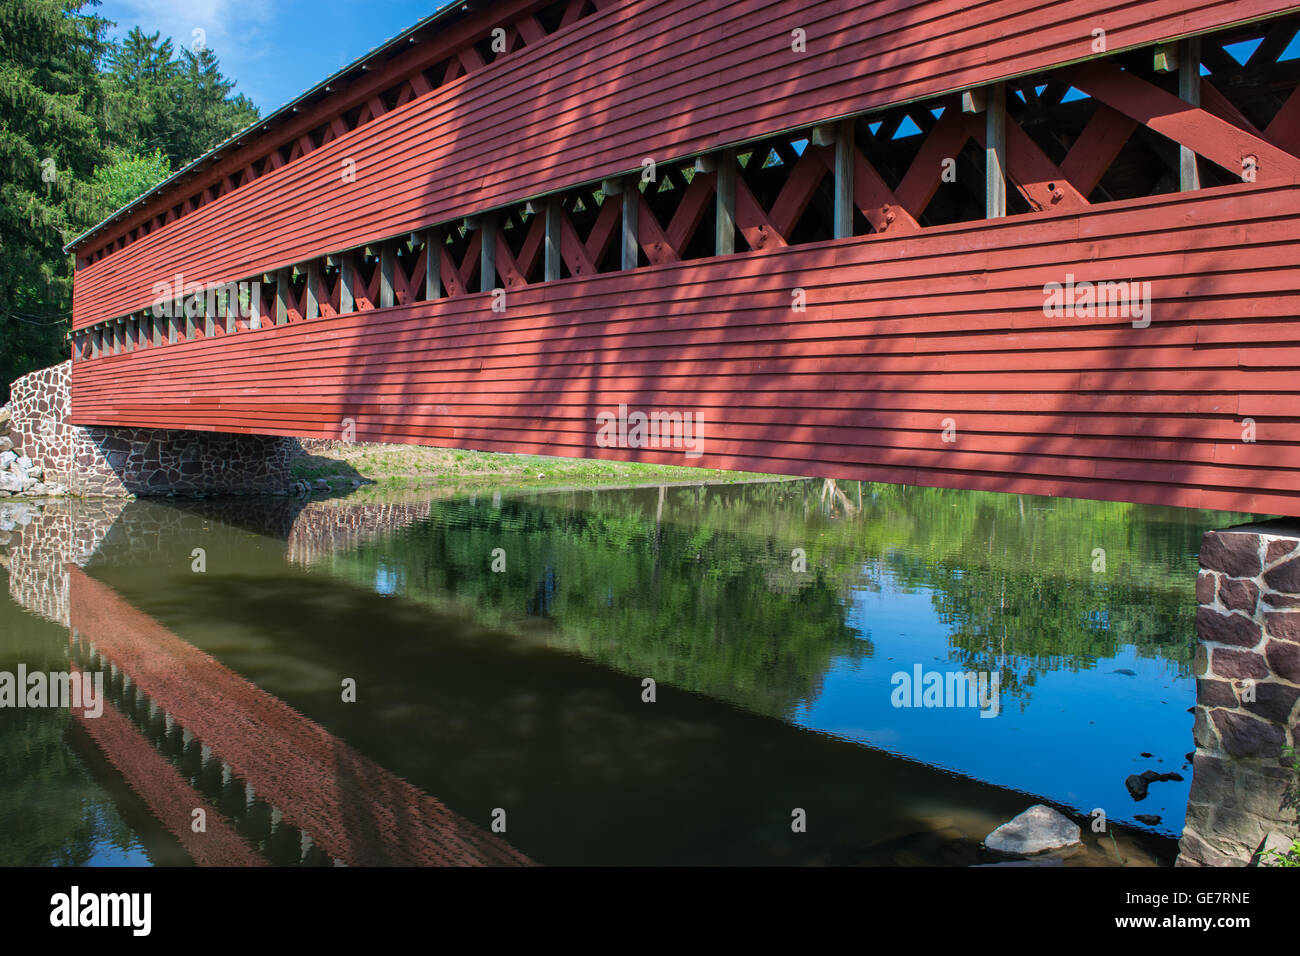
x=923 y=178
x=1208 y=135
x=432 y=264
x=282 y=297
x=255 y=306
x=1166 y=57
x=1284 y=129
x=844 y=153
x=686 y=217
x=347 y=282
x=631 y=207
x=487 y=263
x=1189 y=91
x=995 y=153
x=974 y=101
x=725 y=233
x=312 y=296
x=387 y=266
x=752 y=222
x=552 y=242
x=800 y=186
x=1096 y=148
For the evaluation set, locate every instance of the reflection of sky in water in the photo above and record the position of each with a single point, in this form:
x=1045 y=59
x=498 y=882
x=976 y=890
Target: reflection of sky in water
x=389 y=581
x=1074 y=739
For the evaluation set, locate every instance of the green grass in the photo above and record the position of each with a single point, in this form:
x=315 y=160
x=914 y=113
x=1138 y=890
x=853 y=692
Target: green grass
x=413 y=467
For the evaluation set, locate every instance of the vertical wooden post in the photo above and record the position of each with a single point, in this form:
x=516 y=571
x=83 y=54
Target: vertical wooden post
x=995 y=153
x=255 y=305
x=347 y=282
x=313 y=289
x=487 y=259
x=725 y=243
x=282 y=297
x=551 y=245
x=94 y=343
x=230 y=308
x=631 y=205
x=387 y=267
x=844 y=179
x=433 y=264
x=1189 y=90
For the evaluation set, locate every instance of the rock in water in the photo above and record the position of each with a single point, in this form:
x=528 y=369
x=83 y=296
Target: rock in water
x=1150 y=819
x=1038 y=829
x=1137 y=783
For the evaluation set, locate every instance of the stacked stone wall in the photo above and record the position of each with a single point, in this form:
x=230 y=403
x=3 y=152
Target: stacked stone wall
x=1244 y=784
x=96 y=460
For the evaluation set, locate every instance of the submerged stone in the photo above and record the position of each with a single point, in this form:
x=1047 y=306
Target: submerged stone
x=1038 y=829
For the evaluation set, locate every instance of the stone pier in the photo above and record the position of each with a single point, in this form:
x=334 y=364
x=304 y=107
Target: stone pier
x=1244 y=790
x=113 y=461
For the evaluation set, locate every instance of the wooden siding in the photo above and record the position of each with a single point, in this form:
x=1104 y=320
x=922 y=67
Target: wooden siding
x=900 y=333
x=663 y=79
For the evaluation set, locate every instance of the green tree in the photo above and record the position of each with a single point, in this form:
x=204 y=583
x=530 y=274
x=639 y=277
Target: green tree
x=179 y=103
x=124 y=177
x=49 y=145
x=86 y=126
x=204 y=101
x=141 y=80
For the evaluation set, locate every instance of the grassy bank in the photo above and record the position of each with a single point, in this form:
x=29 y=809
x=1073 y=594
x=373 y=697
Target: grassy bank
x=399 y=468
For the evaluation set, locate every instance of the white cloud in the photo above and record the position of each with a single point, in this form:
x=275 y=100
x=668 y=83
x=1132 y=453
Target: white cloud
x=236 y=30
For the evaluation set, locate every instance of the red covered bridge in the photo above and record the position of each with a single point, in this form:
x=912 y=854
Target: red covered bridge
x=1041 y=247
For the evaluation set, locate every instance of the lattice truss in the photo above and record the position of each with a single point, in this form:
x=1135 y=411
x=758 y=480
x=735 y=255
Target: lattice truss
x=1092 y=133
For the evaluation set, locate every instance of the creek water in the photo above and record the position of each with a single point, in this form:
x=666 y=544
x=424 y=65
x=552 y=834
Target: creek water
x=469 y=678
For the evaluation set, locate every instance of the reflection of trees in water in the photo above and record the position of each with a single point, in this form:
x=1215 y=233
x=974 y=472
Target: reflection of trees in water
x=52 y=812
x=699 y=591
x=686 y=604
x=1013 y=579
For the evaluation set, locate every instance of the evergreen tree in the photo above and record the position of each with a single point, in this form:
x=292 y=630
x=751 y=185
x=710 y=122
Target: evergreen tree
x=49 y=145
x=86 y=126
x=210 y=115
x=141 y=80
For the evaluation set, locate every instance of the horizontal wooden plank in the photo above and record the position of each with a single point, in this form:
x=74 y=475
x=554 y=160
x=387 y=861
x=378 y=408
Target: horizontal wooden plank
x=861 y=385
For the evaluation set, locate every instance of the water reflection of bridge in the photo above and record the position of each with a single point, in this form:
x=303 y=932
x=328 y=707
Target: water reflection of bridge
x=186 y=733
x=266 y=776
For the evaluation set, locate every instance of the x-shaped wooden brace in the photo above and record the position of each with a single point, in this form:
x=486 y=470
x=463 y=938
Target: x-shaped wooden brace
x=1219 y=140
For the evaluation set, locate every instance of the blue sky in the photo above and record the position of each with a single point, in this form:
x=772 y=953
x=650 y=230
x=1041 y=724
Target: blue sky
x=274 y=49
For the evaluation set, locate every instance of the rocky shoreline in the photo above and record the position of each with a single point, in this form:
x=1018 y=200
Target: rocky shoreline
x=19 y=475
